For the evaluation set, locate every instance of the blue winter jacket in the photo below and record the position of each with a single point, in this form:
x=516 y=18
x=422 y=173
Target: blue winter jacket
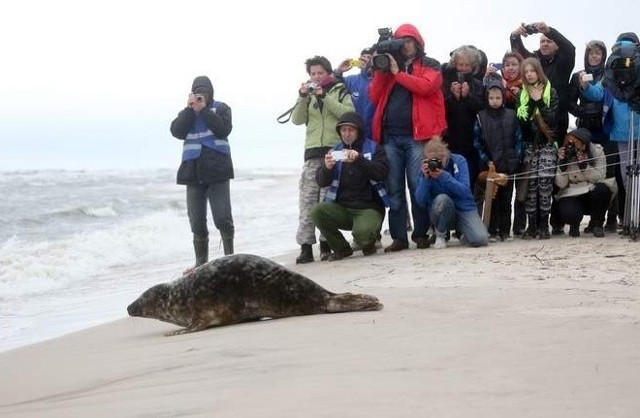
x=358 y=86
x=454 y=182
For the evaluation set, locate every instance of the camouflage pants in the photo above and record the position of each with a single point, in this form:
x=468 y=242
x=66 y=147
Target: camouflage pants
x=310 y=195
x=542 y=169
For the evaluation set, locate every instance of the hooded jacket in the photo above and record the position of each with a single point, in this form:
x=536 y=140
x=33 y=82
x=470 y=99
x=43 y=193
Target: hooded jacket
x=588 y=112
x=423 y=80
x=355 y=189
x=321 y=114
x=210 y=166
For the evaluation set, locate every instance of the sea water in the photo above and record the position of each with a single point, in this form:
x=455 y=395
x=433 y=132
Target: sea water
x=76 y=247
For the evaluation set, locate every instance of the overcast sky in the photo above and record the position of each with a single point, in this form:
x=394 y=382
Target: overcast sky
x=96 y=83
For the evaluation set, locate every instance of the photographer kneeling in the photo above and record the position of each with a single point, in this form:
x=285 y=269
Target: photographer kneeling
x=444 y=191
x=354 y=170
x=583 y=189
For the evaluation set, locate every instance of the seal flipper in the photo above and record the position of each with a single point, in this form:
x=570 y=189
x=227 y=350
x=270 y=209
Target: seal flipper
x=347 y=302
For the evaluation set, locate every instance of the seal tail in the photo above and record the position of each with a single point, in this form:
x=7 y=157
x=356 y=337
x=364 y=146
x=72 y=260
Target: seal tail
x=347 y=302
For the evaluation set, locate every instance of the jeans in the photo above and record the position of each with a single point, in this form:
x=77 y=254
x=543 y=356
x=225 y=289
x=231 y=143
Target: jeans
x=219 y=199
x=444 y=217
x=404 y=156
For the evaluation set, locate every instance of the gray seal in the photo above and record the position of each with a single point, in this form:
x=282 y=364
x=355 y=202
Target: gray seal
x=241 y=288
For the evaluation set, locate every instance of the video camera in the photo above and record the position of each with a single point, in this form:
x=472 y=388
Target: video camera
x=386 y=45
x=622 y=74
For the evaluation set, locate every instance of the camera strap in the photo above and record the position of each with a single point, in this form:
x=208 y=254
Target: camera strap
x=286 y=114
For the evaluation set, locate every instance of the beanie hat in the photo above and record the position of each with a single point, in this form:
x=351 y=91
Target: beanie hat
x=350 y=119
x=582 y=134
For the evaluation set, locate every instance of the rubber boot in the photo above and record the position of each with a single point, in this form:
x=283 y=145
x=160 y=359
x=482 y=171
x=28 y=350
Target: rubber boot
x=227 y=245
x=530 y=232
x=543 y=228
x=201 y=247
x=306 y=254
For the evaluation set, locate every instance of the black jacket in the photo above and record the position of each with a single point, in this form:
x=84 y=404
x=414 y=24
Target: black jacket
x=355 y=190
x=211 y=166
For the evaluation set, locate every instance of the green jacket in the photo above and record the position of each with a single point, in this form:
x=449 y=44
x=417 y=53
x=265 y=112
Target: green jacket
x=321 y=116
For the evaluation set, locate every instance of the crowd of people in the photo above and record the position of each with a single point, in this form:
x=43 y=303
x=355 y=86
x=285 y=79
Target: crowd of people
x=404 y=121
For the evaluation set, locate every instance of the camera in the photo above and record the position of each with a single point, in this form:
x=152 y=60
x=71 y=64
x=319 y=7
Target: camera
x=587 y=77
x=386 y=45
x=200 y=97
x=312 y=85
x=530 y=28
x=570 y=152
x=461 y=77
x=433 y=164
x=339 y=155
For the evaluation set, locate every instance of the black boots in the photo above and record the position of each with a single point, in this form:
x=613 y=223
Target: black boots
x=306 y=254
x=325 y=251
x=201 y=248
x=543 y=227
x=227 y=245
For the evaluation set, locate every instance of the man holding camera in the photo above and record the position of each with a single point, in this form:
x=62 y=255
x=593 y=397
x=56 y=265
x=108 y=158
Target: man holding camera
x=444 y=192
x=406 y=89
x=206 y=167
x=580 y=178
x=354 y=171
x=557 y=55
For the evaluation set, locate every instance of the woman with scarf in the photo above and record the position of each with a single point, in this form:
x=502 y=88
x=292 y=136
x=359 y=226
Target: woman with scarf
x=537 y=111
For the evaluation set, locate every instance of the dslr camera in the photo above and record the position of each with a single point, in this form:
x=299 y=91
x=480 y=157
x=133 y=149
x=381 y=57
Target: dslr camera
x=433 y=164
x=570 y=153
x=386 y=45
x=530 y=28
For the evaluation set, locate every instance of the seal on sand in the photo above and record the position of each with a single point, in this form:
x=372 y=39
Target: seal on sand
x=241 y=288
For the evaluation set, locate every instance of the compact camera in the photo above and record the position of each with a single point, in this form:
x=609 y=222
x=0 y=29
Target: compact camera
x=339 y=155
x=433 y=164
x=312 y=85
x=587 y=77
x=530 y=28
x=200 y=97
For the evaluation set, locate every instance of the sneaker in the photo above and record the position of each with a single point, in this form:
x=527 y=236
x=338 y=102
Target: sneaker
x=556 y=230
x=544 y=233
x=611 y=227
x=422 y=243
x=493 y=238
x=397 y=245
x=598 y=232
x=339 y=255
x=355 y=246
x=378 y=244
x=440 y=243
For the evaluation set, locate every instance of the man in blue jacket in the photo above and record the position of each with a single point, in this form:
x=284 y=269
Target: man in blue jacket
x=444 y=191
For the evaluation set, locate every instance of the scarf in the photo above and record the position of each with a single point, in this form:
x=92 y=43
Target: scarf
x=523 y=108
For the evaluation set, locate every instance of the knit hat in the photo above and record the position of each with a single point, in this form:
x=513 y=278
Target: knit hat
x=582 y=134
x=350 y=119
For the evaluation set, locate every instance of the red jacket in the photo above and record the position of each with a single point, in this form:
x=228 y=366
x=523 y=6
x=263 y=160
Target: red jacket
x=425 y=85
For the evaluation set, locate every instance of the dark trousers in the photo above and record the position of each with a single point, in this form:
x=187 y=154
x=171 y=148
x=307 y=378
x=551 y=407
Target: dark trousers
x=218 y=196
x=572 y=209
x=500 y=222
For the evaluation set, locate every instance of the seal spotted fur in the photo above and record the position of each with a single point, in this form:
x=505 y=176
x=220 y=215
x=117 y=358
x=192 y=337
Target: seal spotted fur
x=241 y=288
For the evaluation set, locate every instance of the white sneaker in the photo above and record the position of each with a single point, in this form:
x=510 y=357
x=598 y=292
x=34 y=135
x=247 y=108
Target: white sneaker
x=440 y=243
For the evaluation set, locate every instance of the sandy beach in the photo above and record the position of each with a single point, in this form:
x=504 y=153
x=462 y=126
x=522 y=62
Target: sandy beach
x=516 y=329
